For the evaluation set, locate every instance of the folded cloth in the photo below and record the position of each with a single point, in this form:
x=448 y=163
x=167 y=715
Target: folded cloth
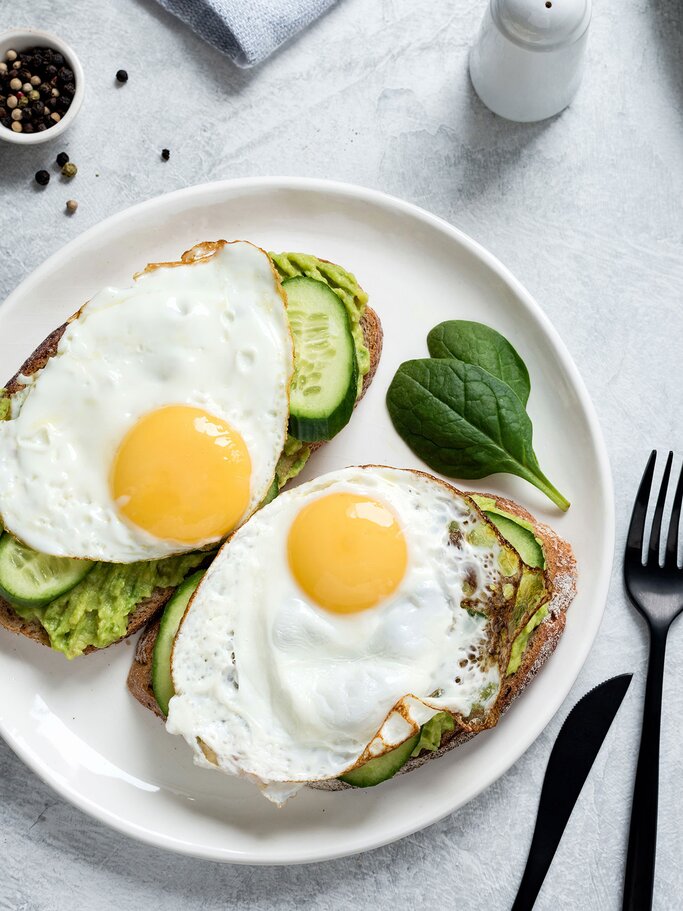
x=247 y=31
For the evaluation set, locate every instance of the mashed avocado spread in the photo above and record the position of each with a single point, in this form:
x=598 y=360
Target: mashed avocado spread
x=96 y=611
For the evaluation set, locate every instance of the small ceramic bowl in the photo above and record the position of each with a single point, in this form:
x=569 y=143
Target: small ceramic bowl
x=19 y=39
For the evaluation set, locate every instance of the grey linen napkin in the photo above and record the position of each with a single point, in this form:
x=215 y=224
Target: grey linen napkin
x=247 y=31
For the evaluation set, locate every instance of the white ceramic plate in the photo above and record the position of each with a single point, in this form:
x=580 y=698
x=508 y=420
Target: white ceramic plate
x=76 y=725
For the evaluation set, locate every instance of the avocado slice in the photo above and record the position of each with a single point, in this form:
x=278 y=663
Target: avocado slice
x=377 y=770
x=521 y=538
x=382 y=767
x=519 y=532
x=522 y=640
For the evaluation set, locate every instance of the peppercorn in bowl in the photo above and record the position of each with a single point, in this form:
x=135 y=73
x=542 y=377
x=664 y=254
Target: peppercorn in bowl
x=41 y=96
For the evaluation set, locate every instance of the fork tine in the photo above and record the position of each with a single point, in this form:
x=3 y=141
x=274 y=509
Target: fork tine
x=671 y=554
x=636 y=530
x=656 y=533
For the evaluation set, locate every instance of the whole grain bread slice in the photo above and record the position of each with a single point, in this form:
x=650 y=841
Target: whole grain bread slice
x=561 y=576
x=149 y=607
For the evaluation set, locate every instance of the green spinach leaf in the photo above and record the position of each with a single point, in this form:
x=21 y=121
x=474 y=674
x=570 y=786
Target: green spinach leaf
x=475 y=343
x=464 y=422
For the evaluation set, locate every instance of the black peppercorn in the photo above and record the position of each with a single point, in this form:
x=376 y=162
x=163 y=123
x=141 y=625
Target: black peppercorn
x=37 y=87
x=62 y=159
x=165 y=154
x=43 y=178
x=121 y=76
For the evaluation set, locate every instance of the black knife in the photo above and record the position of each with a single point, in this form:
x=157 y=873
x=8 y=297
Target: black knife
x=571 y=759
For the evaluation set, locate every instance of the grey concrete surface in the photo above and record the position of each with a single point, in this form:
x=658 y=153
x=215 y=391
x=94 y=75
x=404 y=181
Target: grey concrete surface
x=586 y=211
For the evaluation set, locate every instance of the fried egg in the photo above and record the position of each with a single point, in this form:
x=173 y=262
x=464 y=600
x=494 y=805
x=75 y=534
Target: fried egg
x=157 y=426
x=339 y=619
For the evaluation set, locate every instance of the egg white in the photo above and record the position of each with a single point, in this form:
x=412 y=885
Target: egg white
x=212 y=333
x=285 y=692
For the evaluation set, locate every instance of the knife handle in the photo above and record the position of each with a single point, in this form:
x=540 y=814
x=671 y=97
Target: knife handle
x=642 y=840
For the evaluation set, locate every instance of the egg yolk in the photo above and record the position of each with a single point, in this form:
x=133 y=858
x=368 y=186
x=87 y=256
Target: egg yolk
x=182 y=475
x=347 y=552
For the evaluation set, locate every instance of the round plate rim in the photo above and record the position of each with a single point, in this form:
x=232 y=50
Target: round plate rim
x=412 y=825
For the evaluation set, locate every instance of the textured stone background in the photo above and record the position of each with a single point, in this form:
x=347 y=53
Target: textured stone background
x=586 y=211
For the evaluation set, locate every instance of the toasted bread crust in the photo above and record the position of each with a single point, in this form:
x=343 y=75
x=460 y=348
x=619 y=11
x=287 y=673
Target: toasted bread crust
x=140 y=674
x=150 y=607
x=36 y=361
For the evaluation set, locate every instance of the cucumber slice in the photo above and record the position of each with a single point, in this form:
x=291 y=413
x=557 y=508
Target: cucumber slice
x=162 y=682
x=377 y=770
x=32 y=579
x=325 y=381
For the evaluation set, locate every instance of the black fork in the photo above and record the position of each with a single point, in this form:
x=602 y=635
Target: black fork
x=656 y=590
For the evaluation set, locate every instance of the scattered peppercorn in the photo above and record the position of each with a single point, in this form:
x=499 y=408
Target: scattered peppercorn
x=121 y=76
x=69 y=169
x=165 y=154
x=71 y=206
x=62 y=159
x=43 y=178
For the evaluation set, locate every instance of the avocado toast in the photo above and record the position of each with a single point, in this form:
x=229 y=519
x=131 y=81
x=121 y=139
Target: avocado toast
x=544 y=592
x=109 y=600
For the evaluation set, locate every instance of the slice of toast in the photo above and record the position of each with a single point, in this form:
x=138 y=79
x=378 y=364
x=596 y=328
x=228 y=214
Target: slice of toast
x=149 y=607
x=561 y=574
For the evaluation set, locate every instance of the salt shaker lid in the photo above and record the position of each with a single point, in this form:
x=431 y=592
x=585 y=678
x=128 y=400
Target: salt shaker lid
x=542 y=24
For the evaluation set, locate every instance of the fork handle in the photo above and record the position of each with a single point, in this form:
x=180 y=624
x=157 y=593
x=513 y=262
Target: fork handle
x=642 y=840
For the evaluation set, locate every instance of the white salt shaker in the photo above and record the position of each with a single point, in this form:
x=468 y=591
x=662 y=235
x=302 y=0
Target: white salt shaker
x=528 y=60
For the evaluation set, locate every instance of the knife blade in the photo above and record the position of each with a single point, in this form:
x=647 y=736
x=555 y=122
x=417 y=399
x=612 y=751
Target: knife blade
x=571 y=759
